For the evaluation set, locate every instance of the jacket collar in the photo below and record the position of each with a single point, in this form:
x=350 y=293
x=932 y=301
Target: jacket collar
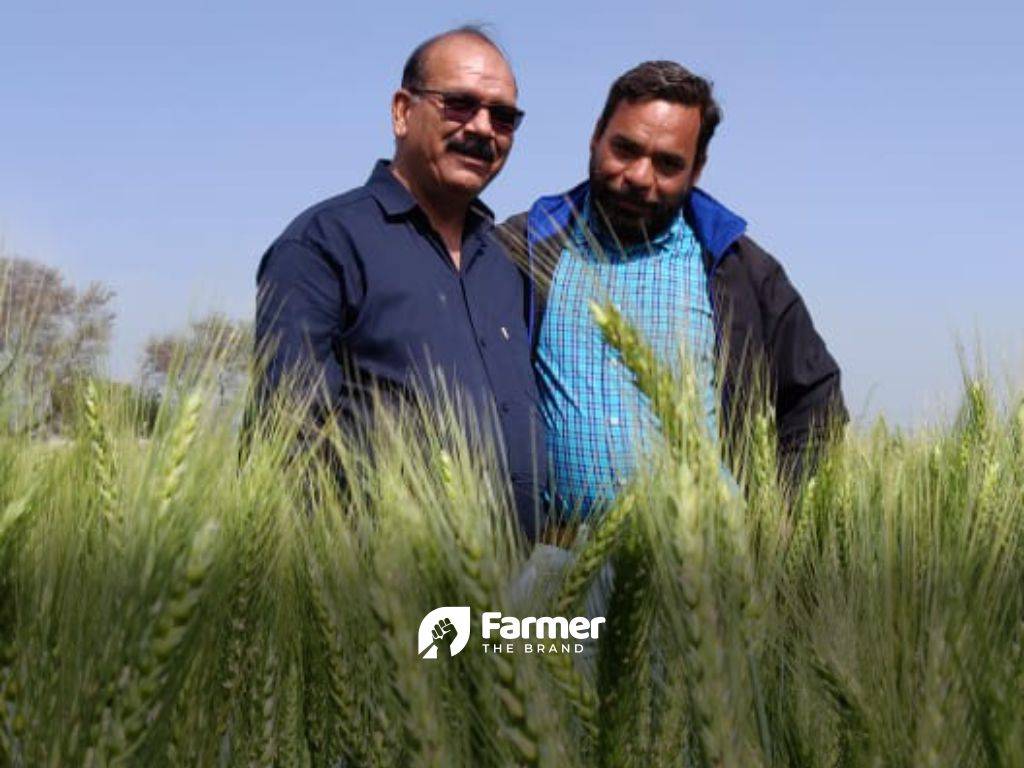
x=715 y=226
x=396 y=200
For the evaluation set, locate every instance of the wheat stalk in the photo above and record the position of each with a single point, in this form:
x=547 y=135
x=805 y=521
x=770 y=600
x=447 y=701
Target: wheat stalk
x=180 y=442
x=650 y=375
x=102 y=453
x=256 y=546
x=702 y=650
x=624 y=662
x=145 y=688
x=265 y=747
x=519 y=736
x=349 y=720
x=293 y=752
x=931 y=736
x=594 y=554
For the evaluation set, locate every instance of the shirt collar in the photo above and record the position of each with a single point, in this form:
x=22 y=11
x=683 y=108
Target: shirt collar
x=396 y=200
x=392 y=195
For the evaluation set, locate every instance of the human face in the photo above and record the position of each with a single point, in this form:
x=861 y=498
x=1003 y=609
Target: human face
x=444 y=158
x=643 y=165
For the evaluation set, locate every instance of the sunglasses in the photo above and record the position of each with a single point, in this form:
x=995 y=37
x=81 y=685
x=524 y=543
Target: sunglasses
x=463 y=107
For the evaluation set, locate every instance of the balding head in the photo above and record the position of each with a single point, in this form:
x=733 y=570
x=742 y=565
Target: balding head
x=415 y=73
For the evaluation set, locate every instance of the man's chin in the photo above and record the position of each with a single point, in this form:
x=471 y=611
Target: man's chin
x=470 y=181
x=624 y=227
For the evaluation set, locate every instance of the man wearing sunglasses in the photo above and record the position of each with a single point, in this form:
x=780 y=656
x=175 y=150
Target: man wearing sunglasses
x=401 y=282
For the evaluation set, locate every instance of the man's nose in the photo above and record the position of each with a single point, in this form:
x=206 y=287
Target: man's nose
x=640 y=173
x=481 y=123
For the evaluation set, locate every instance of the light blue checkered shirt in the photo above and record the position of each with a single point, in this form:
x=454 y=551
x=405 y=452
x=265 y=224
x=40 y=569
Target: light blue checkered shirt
x=598 y=423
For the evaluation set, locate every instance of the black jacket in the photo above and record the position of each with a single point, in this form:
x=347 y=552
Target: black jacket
x=767 y=343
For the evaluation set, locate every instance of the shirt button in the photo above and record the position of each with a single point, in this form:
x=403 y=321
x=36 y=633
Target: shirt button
x=614 y=421
x=505 y=408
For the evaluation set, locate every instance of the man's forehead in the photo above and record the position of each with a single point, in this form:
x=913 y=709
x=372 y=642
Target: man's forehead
x=466 y=58
x=656 y=113
x=655 y=119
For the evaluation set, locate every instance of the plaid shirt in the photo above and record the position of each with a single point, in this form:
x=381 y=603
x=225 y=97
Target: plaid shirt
x=598 y=422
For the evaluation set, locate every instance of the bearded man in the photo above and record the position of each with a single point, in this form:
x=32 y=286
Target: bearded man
x=679 y=265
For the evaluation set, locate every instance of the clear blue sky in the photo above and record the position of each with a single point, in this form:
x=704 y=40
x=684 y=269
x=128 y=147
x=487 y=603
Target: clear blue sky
x=874 y=147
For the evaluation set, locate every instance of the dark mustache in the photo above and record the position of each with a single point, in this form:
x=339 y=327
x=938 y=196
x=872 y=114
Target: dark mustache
x=473 y=146
x=633 y=200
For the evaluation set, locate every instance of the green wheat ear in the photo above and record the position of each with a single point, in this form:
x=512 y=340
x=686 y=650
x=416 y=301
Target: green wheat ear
x=12 y=518
x=13 y=522
x=594 y=553
x=348 y=720
x=447 y=473
x=624 y=659
x=266 y=706
x=675 y=403
x=102 y=453
x=149 y=688
x=181 y=441
x=652 y=378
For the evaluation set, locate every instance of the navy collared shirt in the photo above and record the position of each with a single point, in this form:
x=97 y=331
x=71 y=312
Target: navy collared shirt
x=360 y=287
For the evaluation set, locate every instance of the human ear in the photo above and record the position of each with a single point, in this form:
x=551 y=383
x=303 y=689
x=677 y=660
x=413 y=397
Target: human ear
x=400 y=104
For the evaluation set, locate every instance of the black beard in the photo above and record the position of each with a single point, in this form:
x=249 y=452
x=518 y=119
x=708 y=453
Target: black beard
x=473 y=146
x=627 y=227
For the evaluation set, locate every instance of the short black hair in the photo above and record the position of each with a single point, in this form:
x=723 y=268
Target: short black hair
x=666 y=81
x=412 y=73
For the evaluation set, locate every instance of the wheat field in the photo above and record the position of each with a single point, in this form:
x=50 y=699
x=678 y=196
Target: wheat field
x=190 y=599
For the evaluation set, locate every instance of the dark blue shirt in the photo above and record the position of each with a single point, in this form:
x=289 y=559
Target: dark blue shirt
x=362 y=288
